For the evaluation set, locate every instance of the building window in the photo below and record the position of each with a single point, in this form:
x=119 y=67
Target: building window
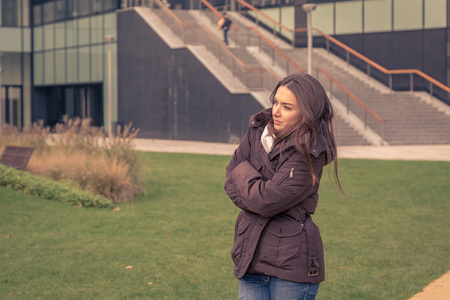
x=49 y=12
x=349 y=17
x=60 y=10
x=408 y=15
x=10 y=13
x=435 y=14
x=37 y=14
x=377 y=15
x=323 y=18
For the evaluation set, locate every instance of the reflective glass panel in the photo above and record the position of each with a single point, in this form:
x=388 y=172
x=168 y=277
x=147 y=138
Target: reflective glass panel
x=71 y=65
x=408 y=14
x=377 y=15
x=9 y=13
x=71 y=33
x=96 y=6
x=110 y=5
x=349 y=17
x=83 y=7
x=37 y=14
x=323 y=18
x=435 y=14
x=97 y=62
x=287 y=18
x=110 y=25
x=48 y=36
x=71 y=8
x=60 y=35
x=25 y=16
x=37 y=38
x=60 y=63
x=49 y=67
x=49 y=12
x=83 y=31
x=84 y=65
x=38 y=68
x=97 y=30
x=60 y=10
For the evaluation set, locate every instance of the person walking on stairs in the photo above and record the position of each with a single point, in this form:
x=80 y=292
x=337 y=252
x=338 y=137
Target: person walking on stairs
x=224 y=24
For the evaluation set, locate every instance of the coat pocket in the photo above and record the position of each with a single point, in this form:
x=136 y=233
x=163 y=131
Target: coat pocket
x=289 y=174
x=280 y=244
x=239 y=239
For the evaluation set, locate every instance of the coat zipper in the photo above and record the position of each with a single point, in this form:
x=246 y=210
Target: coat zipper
x=290 y=174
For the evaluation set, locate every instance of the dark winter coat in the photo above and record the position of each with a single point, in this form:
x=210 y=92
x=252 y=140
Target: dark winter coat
x=226 y=24
x=276 y=194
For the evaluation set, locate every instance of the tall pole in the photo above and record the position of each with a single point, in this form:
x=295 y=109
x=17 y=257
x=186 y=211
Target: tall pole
x=309 y=7
x=109 y=38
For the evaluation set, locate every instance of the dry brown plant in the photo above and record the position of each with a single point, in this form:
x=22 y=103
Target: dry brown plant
x=81 y=153
x=35 y=136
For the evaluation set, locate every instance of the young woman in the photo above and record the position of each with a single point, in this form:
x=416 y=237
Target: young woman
x=273 y=177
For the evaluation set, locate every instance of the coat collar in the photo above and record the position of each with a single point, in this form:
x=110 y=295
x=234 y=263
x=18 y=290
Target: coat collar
x=261 y=119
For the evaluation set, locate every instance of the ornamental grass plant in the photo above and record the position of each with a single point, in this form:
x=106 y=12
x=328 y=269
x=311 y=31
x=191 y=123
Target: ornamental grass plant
x=81 y=153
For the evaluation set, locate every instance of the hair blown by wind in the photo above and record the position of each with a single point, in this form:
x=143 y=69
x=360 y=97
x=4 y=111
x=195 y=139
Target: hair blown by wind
x=316 y=121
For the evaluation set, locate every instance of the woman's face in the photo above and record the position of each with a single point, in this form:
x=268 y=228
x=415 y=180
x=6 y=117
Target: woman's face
x=285 y=110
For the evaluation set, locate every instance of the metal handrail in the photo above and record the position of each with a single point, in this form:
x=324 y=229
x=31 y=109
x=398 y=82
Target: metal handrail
x=411 y=72
x=377 y=66
x=222 y=46
x=269 y=42
x=358 y=101
x=185 y=26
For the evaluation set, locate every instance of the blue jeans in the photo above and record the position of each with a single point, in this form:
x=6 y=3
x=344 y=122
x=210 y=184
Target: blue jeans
x=225 y=36
x=262 y=287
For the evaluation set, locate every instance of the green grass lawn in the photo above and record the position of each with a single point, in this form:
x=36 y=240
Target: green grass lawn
x=388 y=241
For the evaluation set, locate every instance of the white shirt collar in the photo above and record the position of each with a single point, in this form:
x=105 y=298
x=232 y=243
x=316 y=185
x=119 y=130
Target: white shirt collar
x=267 y=140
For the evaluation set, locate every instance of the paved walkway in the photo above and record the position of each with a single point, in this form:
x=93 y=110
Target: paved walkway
x=420 y=152
x=437 y=290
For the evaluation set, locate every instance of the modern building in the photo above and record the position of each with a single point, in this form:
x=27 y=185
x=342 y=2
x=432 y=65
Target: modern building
x=54 y=60
x=54 y=56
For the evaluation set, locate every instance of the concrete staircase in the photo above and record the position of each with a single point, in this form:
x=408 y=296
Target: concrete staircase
x=409 y=120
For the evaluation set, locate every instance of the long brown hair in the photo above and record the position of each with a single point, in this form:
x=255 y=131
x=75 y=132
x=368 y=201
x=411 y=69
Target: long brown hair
x=316 y=120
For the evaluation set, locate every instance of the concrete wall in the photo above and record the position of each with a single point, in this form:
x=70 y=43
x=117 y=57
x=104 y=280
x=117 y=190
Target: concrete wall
x=168 y=94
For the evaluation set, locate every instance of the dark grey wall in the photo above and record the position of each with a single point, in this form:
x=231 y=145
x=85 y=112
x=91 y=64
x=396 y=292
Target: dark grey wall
x=424 y=50
x=169 y=94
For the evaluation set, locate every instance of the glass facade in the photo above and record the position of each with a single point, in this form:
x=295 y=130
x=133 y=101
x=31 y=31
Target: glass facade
x=377 y=15
x=14 y=13
x=435 y=14
x=70 y=51
x=408 y=19
x=50 y=11
x=364 y=16
x=348 y=17
x=283 y=15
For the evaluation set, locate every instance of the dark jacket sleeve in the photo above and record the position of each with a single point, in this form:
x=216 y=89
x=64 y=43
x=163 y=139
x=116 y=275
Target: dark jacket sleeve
x=291 y=185
x=241 y=154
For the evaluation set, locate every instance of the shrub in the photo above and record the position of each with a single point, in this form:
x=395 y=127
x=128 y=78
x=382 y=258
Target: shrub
x=82 y=154
x=63 y=191
x=32 y=136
